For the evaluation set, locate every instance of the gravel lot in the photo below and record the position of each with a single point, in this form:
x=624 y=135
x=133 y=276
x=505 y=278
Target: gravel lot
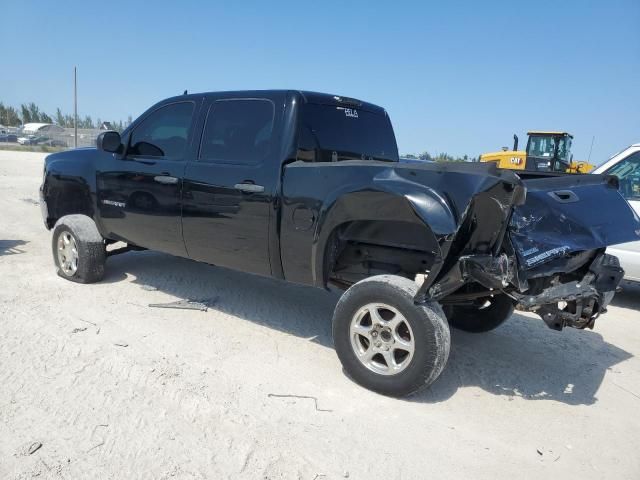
x=111 y=388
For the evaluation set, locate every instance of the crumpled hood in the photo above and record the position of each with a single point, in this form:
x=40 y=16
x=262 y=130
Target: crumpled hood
x=568 y=214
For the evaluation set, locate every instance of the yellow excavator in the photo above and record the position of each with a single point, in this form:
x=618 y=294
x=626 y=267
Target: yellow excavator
x=546 y=152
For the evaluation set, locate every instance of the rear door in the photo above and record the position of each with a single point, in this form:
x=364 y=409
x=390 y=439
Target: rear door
x=139 y=195
x=230 y=187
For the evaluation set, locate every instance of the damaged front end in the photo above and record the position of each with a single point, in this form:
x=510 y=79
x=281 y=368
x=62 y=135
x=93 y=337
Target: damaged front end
x=549 y=257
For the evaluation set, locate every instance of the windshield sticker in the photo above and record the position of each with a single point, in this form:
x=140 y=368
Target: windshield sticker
x=351 y=112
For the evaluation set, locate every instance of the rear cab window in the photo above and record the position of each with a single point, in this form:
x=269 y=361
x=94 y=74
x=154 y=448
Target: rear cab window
x=331 y=133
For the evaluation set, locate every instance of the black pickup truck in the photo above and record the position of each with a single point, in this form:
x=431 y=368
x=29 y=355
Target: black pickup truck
x=307 y=187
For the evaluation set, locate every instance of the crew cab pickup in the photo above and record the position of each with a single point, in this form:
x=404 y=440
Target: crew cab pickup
x=307 y=187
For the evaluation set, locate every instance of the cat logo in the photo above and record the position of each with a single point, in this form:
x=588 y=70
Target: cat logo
x=516 y=160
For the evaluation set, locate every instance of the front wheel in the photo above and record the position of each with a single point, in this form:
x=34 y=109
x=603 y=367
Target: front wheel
x=386 y=342
x=78 y=249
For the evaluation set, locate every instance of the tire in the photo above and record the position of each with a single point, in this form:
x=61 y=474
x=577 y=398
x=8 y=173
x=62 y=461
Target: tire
x=479 y=319
x=400 y=370
x=85 y=263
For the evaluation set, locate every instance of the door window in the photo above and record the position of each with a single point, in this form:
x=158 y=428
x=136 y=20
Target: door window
x=238 y=131
x=164 y=132
x=628 y=171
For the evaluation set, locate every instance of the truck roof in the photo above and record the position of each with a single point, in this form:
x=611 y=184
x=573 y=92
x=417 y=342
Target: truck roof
x=305 y=95
x=548 y=132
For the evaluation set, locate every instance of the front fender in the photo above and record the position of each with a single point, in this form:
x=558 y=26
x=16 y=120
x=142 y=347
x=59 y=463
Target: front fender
x=69 y=184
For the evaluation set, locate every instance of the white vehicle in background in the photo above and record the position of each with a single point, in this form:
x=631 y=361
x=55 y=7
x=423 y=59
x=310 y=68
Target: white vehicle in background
x=28 y=140
x=626 y=166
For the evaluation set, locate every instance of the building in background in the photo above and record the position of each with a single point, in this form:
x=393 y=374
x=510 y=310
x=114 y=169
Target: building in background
x=41 y=129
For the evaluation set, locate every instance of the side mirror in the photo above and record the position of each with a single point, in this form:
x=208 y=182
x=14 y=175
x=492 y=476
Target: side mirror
x=109 y=142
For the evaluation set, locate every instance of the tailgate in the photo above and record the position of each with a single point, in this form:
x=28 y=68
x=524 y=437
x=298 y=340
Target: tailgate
x=568 y=214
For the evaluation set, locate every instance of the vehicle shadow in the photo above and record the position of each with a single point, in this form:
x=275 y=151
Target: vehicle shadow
x=521 y=358
x=295 y=309
x=525 y=358
x=629 y=297
x=11 y=247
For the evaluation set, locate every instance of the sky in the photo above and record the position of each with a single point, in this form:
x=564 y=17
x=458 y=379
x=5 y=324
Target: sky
x=457 y=77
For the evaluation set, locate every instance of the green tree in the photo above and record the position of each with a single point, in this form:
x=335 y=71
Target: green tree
x=34 y=112
x=117 y=126
x=26 y=114
x=60 y=120
x=4 y=120
x=11 y=117
x=440 y=157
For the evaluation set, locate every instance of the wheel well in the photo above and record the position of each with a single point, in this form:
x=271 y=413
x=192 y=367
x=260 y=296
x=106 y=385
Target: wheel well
x=72 y=199
x=360 y=249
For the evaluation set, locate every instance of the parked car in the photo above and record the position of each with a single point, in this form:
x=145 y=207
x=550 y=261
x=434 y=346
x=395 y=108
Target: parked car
x=8 y=138
x=52 y=142
x=307 y=187
x=28 y=140
x=41 y=140
x=36 y=140
x=626 y=166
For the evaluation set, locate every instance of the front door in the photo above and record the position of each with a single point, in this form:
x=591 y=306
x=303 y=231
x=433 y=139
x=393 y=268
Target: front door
x=139 y=196
x=229 y=188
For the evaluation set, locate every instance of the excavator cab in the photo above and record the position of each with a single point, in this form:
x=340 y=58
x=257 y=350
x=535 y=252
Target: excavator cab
x=549 y=151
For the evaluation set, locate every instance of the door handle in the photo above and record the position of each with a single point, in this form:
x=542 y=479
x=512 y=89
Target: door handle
x=249 y=187
x=166 y=179
x=564 y=196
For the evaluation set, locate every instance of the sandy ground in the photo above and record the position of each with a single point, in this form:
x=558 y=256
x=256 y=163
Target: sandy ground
x=111 y=388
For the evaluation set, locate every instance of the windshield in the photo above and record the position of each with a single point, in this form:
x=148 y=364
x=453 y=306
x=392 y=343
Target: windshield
x=628 y=173
x=544 y=146
x=333 y=133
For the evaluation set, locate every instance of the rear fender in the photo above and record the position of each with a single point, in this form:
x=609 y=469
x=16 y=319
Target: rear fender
x=475 y=249
x=367 y=214
x=473 y=222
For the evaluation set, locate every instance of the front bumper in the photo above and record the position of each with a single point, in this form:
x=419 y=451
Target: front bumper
x=579 y=302
x=44 y=211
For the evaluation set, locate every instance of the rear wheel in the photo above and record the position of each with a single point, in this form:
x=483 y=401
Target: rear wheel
x=78 y=249
x=485 y=315
x=385 y=341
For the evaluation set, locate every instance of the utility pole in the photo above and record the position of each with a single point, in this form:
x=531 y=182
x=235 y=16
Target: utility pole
x=75 y=107
x=593 y=139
